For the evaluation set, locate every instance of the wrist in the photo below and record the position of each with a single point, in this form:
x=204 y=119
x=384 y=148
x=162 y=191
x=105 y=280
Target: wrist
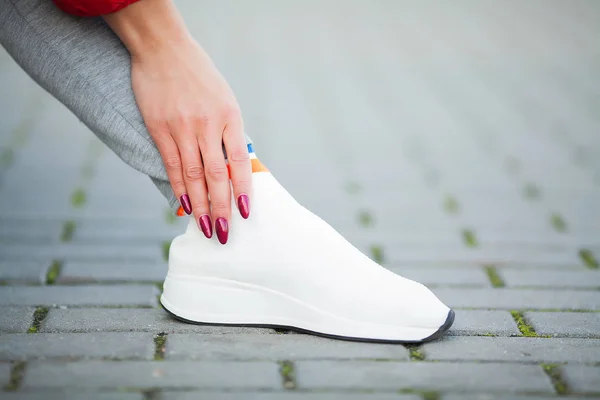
x=148 y=26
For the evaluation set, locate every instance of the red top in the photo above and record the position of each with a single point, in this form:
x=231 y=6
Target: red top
x=92 y=8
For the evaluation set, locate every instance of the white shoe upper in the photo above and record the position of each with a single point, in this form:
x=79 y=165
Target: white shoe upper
x=285 y=248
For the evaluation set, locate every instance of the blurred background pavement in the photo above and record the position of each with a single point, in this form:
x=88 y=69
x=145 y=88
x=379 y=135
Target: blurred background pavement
x=455 y=142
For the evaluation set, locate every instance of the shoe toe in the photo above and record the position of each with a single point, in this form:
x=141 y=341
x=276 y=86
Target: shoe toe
x=430 y=312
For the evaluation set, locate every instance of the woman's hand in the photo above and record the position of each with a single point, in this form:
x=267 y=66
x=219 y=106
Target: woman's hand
x=190 y=112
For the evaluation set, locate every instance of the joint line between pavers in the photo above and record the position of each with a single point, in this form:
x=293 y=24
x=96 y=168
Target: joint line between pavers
x=524 y=327
x=39 y=315
x=78 y=198
x=152 y=394
x=469 y=238
x=451 y=205
x=17 y=373
x=588 y=258
x=531 y=191
x=424 y=394
x=554 y=373
x=68 y=231
x=53 y=272
x=160 y=346
x=377 y=254
x=365 y=219
x=558 y=222
x=494 y=276
x=166 y=247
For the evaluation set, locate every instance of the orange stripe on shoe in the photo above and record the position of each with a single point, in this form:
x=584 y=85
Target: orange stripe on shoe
x=180 y=212
x=257 y=166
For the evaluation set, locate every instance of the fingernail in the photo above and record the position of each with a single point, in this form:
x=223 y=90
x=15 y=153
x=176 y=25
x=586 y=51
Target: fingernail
x=185 y=203
x=244 y=205
x=206 y=225
x=222 y=230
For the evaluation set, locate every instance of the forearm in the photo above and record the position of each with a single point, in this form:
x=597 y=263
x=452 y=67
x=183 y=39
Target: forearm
x=149 y=25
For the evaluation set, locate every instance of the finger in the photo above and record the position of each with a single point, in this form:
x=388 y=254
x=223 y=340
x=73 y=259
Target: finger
x=193 y=175
x=172 y=161
x=239 y=165
x=217 y=178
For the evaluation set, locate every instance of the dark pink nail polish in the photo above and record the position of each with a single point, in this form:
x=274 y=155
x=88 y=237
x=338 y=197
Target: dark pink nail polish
x=206 y=225
x=186 y=204
x=222 y=230
x=244 y=205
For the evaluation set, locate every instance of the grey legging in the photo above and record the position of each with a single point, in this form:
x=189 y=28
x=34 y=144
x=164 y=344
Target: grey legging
x=82 y=63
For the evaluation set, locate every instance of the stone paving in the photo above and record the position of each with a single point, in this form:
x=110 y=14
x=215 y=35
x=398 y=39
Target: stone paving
x=457 y=143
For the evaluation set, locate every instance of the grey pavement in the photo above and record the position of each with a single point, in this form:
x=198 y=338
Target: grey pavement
x=456 y=142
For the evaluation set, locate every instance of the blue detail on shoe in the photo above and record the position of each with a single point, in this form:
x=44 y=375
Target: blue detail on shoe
x=250 y=148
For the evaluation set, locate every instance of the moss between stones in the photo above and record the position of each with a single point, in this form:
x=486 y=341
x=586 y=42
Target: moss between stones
x=524 y=327
x=558 y=223
x=532 y=191
x=68 y=230
x=166 y=246
x=17 y=372
x=588 y=259
x=469 y=238
x=353 y=187
x=170 y=217
x=39 y=315
x=430 y=395
x=451 y=205
x=161 y=287
x=553 y=371
x=415 y=353
x=53 y=272
x=494 y=277
x=365 y=218
x=78 y=198
x=160 y=343
x=6 y=158
x=377 y=254
x=150 y=394
x=288 y=375
x=425 y=394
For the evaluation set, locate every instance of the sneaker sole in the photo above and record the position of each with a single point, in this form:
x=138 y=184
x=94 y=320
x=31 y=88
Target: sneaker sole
x=191 y=291
x=436 y=335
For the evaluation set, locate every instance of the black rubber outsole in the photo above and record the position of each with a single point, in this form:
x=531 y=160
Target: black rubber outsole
x=447 y=324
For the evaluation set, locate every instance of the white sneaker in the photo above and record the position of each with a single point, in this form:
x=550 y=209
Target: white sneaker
x=284 y=267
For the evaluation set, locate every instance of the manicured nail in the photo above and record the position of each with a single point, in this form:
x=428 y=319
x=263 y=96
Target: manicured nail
x=206 y=225
x=244 y=205
x=222 y=230
x=185 y=203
